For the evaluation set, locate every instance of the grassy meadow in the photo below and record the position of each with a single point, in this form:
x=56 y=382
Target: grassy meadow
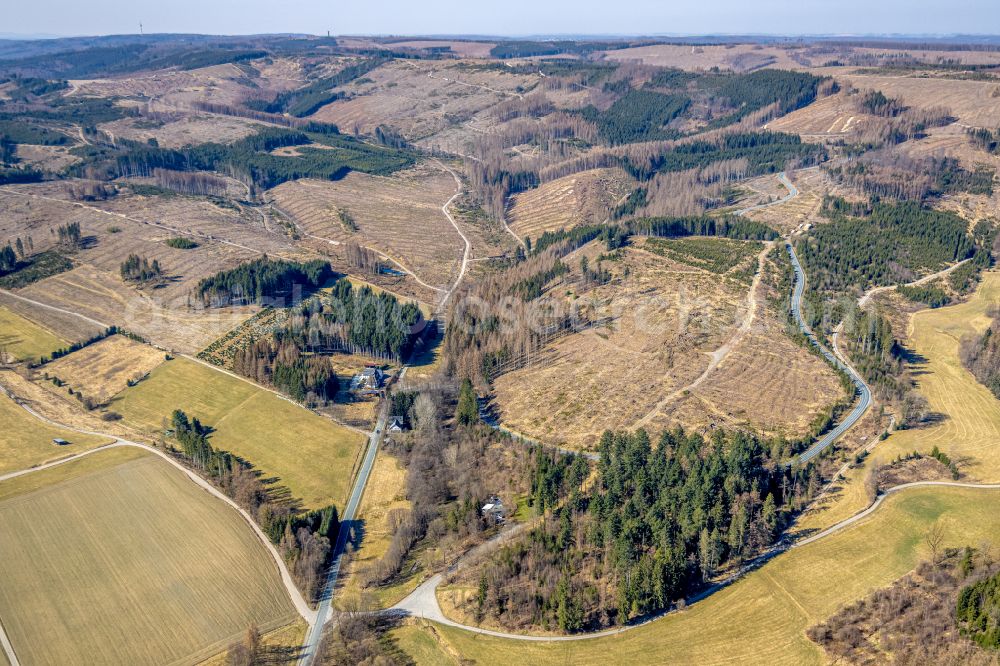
x=967 y=425
x=968 y=415
x=121 y=559
x=385 y=492
x=309 y=454
x=25 y=441
x=25 y=340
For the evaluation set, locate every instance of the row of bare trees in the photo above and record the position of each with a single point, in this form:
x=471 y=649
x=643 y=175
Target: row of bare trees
x=188 y=182
x=363 y=258
x=692 y=192
x=892 y=174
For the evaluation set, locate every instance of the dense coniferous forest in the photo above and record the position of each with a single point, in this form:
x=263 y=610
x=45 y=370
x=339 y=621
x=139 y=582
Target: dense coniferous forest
x=528 y=48
x=27 y=132
x=616 y=235
x=986 y=139
x=759 y=89
x=8 y=259
x=34 y=268
x=929 y=294
x=251 y=160
x=736 y=228
x=876 y=103
x=278 y=362
x=263 y=280
x=894 y=244
x=875 y=350
x=378 y=323
x=765 y=152
x=978 y=612
x=639 y=115
x=291 y=358
x=19 y=175
x=127 y=58
x=661 y=519
x=84 y=111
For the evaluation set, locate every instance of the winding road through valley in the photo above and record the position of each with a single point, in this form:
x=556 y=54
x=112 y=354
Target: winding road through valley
x=423 y=602
x=864 y=393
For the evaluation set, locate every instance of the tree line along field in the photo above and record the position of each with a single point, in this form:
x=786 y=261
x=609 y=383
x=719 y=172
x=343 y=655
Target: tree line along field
x=121 y=559
x=104 y=369
x=310 y=455
x=764 y=615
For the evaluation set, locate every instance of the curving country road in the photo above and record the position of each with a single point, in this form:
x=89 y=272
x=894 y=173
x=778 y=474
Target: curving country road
x=863 y=301
x=422 y=602
x=861 y=388
x=792 y=193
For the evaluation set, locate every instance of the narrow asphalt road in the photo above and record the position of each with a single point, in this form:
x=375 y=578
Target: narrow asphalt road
x=323 y=615
x=861 y=388
x=315 y=634
x=792 y=193
x=422 y=602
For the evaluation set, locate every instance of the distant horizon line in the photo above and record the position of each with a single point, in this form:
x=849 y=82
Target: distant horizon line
x=25 y=36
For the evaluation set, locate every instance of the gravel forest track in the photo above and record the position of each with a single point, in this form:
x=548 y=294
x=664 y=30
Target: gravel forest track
x=468 y=245
x=717 y=356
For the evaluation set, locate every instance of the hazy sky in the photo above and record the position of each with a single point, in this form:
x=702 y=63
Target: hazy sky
x=500 y=17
